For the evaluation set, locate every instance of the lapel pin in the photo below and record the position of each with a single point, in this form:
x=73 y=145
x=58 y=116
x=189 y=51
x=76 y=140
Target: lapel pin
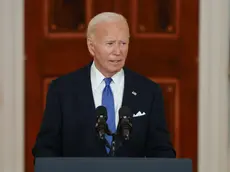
x=134 y=93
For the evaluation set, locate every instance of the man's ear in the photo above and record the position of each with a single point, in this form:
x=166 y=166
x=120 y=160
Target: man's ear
x=90 y=45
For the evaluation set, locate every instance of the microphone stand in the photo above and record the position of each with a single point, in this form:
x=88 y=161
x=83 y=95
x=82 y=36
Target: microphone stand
x=113 y=146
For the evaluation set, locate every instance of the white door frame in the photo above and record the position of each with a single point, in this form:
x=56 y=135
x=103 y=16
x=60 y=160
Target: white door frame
x=12 y=85
x=213 y=121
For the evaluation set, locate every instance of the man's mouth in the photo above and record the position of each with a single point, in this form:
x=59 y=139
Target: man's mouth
x=114 y=61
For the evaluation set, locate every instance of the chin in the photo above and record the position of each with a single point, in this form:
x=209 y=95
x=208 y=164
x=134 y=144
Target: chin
x=114 y=71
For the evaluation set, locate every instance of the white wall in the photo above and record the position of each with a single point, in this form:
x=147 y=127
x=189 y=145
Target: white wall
x=11 y=86
x=214 y=124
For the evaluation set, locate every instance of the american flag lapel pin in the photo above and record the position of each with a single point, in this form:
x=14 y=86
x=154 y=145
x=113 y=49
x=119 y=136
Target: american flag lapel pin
x=134 y=93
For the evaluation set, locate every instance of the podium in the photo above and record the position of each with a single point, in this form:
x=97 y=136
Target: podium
x=112 y=164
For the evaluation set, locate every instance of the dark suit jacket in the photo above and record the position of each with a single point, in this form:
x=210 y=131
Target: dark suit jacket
x=68 y=126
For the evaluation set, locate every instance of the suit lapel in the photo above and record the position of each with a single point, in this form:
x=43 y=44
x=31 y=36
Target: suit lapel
x=85 y=93
x=130 y=91
x=85 y=89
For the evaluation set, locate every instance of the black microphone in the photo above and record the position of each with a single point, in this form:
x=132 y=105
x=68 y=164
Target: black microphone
x=101 y=125
x=125 y=122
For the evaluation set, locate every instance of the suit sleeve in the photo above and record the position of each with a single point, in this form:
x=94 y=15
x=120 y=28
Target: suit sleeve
x=48 y=141
x=158 y=141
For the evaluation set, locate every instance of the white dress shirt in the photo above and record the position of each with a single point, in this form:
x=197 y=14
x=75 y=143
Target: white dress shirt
x=117 y=86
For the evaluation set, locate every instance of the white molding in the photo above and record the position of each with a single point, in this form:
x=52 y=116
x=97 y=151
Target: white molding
x=11 y=85
x=213 y=120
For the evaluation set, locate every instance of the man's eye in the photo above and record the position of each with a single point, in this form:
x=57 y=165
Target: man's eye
x=110 y=43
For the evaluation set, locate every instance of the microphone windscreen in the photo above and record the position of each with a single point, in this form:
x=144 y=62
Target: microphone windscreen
x=101 y=111
x=125 y=111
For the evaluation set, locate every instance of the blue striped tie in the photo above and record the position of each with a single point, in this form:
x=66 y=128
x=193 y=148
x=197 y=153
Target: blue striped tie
x=108 y=102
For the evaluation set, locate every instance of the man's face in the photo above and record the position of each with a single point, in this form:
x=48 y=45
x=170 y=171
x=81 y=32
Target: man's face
x=109 y=46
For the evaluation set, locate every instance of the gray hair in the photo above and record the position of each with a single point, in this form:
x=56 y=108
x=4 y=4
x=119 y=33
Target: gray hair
x=103 y=17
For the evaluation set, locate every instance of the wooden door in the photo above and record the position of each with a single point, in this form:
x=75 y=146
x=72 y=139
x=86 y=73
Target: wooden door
x=163 y=47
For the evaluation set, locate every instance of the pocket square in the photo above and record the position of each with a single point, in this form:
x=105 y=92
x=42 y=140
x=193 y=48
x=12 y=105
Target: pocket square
x=139 y=114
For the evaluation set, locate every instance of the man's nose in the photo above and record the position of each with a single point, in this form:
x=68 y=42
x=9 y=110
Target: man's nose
x=117 y=49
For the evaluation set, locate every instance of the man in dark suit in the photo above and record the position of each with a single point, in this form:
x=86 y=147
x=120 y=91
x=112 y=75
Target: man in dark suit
x=68 y=126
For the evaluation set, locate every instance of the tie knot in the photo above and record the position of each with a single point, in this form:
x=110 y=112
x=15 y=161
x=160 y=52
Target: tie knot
x=107 y=81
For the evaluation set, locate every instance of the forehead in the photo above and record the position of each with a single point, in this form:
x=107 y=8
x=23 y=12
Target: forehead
x=115 y=30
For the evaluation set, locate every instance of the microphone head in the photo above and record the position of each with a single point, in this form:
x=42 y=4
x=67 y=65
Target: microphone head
x=125 y=112
x=125 y=122
x=101 y=112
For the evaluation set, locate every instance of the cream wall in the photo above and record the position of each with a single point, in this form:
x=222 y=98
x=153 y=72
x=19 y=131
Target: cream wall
x=11 y=86
x=213 y=154
x=214 y=126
